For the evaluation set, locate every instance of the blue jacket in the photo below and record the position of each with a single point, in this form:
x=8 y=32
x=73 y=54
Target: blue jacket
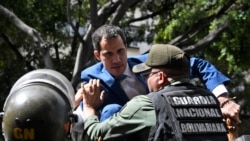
x=200 y=68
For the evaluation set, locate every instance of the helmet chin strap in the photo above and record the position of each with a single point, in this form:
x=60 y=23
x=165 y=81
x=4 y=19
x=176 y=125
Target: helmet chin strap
x=73 y=118
x=1 y=121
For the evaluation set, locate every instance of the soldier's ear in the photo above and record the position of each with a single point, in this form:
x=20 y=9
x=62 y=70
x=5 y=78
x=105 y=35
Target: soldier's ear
x=97 y=55
x=162 y=78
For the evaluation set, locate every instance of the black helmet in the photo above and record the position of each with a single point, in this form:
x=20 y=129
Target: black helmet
x=39 y=107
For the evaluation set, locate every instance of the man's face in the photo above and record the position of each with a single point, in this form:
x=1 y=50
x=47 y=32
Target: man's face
x=113 y=55
x=155 y=79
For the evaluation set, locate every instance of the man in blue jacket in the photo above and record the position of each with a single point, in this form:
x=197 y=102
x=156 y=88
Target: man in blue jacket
x=121 y=84
x=174 y=110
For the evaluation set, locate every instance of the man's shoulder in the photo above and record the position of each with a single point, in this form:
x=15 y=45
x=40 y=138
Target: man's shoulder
x=138 y=102
x=186 y=88
x=138 y=58
x=92 y=70
x=96 y=68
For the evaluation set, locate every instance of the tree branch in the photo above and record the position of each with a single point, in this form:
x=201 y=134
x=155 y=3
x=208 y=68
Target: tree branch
x=167 y=6
x=122 y=9
x=15 y=50
x=93 y=13
x=200 y=24
x=107 y=10
x=203 y=43
x=12 y=46
x=31 y=32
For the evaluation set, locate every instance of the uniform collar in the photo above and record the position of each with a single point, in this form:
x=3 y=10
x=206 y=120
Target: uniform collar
x=179 y=81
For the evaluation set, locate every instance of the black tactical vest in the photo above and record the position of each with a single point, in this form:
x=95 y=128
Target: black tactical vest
x=187 y=113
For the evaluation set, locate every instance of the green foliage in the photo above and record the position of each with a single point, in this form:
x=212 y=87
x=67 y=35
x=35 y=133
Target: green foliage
x=49 y=19
x=181 y=17
x=11 y=68
x=230 y=48
x=233 y=43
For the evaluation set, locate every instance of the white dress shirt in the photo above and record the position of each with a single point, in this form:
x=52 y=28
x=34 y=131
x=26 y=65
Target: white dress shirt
x=220 y=89
x=131 y=85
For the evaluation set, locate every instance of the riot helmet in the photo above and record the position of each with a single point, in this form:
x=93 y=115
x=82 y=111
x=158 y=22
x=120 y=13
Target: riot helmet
x=39 y=107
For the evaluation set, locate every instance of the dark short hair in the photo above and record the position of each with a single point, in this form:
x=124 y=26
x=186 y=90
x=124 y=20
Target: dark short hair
x=108 y=32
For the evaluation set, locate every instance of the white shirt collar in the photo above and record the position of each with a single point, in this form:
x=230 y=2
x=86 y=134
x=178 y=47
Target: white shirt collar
x=128 y=71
